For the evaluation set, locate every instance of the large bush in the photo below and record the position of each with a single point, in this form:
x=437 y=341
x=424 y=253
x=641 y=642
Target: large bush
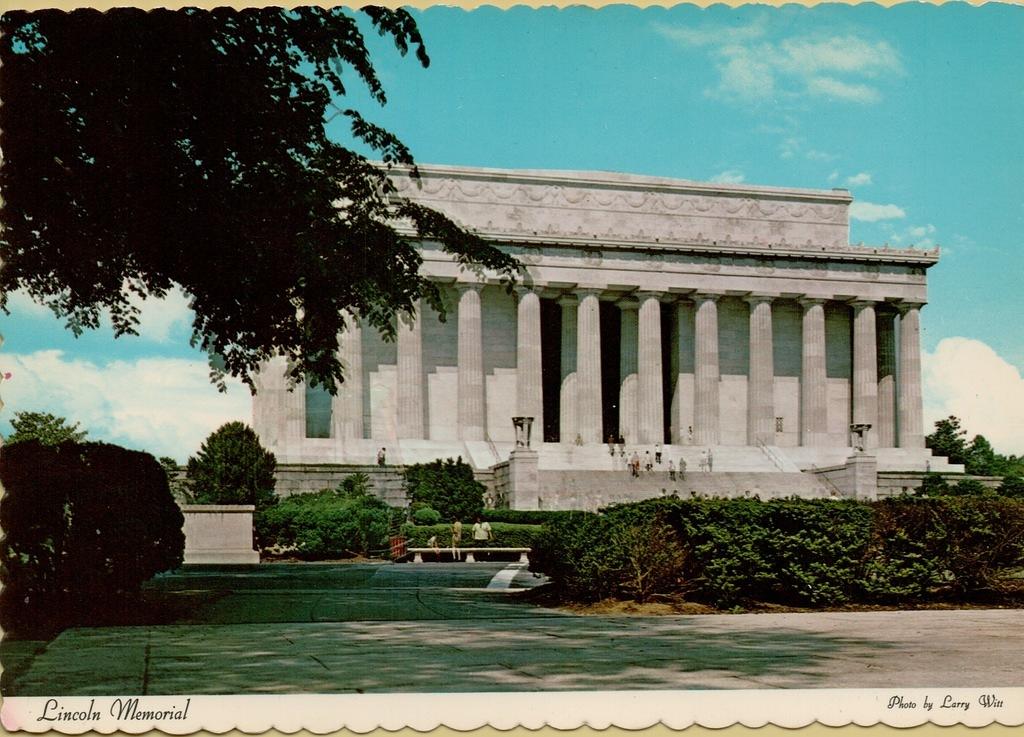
x=84 y=525
x=796 y=551
x=332 y=523
x=447 y=486
x=232 y=467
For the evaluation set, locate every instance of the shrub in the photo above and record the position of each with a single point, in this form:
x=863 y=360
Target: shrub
x=505 y=535
x=447 y=486
x=816 y=547
x=326 y=524
x=85 y=525
x=426 y=516
x=984 y=540
x=904 y=560
x=971 y=487
x=523 y=516
x=1012 y=486
x=232 y=467
x=932 y=484
x=812 y=552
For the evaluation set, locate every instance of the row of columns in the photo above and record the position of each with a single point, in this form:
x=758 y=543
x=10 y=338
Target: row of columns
x=641 y=414
x=876 y=378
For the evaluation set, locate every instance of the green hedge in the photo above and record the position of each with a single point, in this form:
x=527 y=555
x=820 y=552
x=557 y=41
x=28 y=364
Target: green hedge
x=524 y=516
x=505 y=535
x=327 y=524
x=807 y=552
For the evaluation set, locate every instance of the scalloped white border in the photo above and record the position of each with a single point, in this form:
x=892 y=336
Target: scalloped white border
x=560 y=710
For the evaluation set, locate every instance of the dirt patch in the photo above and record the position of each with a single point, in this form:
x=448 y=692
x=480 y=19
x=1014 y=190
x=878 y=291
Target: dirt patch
x=1012 y=597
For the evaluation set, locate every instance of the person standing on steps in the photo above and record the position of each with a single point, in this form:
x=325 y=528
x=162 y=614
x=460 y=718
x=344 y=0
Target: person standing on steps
x=648 y=465
x=671 y=470
x=711 y=461
x=382 y=457
x=682 y=468
x=657 y=453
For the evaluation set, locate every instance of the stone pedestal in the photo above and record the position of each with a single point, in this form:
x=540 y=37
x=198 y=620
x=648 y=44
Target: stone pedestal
x=523 y=479
x=219 y=534
x=862 y=477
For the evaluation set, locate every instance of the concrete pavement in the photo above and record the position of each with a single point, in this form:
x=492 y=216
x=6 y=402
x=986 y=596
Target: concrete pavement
x=436 y=627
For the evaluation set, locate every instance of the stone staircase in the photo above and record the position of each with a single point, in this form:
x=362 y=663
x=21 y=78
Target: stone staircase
x=590 y=490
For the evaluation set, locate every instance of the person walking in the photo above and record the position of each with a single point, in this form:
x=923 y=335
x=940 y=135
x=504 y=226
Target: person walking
x=671 y=470
x=657 y=453
x=648 y=466
x=682 y=468
x=703 y=463
x=382 y=456
x=456 y=539
x=711 y=461
x=634 y=464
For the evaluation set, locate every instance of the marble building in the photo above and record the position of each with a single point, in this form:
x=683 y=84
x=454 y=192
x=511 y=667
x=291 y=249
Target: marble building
x=730 y=318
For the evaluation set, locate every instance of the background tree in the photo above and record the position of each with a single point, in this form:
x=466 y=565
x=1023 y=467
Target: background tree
x=447 y=486
x=232 y=467
x=980 y=458
x=188 y=148
x=948 y=440
x=48 y=429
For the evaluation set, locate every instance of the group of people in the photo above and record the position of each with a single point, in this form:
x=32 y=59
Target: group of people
x=638 y=465
x=482 y=536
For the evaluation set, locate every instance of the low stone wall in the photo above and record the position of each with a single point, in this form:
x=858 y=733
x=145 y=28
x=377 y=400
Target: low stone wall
x=894 y=483
x=386 y=482
x=219 y=534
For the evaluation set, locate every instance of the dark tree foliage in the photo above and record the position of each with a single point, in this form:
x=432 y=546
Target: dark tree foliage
x=148 y=149
x=47 y=428
x=232 y=467
x=447 y=486
x=948 y=440
x=84 y=526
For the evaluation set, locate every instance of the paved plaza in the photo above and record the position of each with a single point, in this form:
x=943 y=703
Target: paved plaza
x=438 y=627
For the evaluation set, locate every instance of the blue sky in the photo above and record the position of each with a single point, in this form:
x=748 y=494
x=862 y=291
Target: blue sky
x=918 y=110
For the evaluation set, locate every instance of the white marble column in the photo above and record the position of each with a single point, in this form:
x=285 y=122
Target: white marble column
x=567 y=390
x=294 y=411
x=529 y=382
x=268 y=404
x=706 y=372
x=650 y=404
x=589 y=414
x=865 y=370
x=471 y=364
x=683 y=397
x=761 y=376
x=409 y=391
x=911 y=420
x=885 y=328
x=628 y=335
x=347 y=404
x=813 y=377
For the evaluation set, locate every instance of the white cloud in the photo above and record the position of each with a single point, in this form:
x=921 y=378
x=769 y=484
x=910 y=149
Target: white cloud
x=729 y=176
x=833 y=176
x=837 y=54
x=753 y=69
x=966 y=378
x=161 y=405
x=859 y=180
x=838 y=90
x=869 y=212
x=793 y=146
x=707 y=35
x=159 y=319
x=19 y=303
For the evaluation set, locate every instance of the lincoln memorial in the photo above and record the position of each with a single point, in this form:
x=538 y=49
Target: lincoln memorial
x=686 y=318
